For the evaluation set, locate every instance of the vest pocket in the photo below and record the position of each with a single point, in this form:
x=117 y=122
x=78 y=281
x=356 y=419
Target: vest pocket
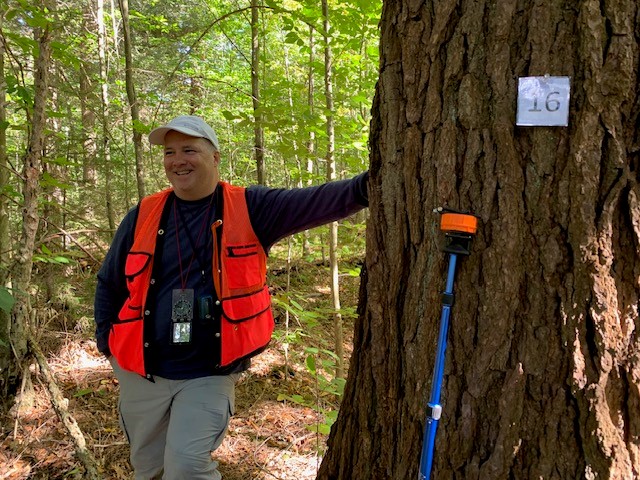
x=135 y=266
x=242 y=266
x=242 y=308
x=242 y=250
x=125 y=343
x=246 y=326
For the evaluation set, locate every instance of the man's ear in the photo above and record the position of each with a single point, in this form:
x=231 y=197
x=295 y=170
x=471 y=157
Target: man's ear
x=216 y=158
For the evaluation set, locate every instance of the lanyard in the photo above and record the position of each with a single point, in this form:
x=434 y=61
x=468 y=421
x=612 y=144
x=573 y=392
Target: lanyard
x=194 y=246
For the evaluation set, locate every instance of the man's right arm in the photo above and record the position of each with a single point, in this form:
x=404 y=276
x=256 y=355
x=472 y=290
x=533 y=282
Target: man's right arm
x=277 y=212
x=111 y=288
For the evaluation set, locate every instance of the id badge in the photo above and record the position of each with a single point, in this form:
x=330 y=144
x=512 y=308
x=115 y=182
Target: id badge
x=181 y=333
x=181 y=315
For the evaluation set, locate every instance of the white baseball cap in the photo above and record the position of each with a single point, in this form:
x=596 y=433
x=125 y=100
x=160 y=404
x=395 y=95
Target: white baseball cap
x=187 y=124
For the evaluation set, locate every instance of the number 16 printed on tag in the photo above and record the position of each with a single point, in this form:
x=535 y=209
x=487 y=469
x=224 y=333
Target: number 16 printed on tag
x=543 y=101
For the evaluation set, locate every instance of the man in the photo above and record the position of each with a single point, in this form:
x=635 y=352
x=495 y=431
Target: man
x=182 y=304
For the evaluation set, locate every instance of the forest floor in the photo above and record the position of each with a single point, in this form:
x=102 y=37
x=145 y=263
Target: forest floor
x=279 y=401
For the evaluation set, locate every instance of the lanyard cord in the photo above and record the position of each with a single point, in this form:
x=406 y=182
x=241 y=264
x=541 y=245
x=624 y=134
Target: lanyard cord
x=201 y=262
x=183 y=279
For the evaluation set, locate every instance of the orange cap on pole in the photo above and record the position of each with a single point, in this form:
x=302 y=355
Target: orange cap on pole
x=458 y=222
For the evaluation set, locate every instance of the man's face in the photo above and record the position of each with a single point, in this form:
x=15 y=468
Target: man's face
x=191 y=165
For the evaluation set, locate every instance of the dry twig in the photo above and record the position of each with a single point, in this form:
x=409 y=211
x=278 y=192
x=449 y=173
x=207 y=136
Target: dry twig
x=60 y=406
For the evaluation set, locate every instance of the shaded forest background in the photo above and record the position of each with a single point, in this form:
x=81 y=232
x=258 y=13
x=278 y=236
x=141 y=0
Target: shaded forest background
x=287 y=85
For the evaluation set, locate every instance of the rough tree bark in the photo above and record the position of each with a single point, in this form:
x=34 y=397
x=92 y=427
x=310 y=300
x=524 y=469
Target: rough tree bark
x=543 y=366
x=22 y=262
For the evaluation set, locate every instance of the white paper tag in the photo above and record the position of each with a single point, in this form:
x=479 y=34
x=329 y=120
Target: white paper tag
x=543 y=101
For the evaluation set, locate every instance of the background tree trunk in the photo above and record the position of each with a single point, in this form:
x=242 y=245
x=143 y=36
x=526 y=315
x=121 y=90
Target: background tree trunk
x=22 y=264
x=87 y=133
x=4 y=172
x=311 y=142
x=105 y=149
x=132 y=97
x=258 y=129
x=5 y=254
x=87 y=90
x=331 y=175
x=543 y=366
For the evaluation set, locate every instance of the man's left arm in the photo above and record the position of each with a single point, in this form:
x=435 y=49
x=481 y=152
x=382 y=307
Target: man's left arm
x=111 y=289
x=276 y=213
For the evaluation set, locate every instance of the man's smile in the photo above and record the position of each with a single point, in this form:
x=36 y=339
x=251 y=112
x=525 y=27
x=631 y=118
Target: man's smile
x=191 y=164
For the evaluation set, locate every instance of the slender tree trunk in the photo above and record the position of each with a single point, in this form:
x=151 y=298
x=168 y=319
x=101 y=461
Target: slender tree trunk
x=292 y=119
x=132 y=97
x=5 y=246
x=12 y=376
x=48 y=199
x=4 y=172
x=258 y=129
x=88 y=140
x=114 y=28
x=542 y=376
x=311 y=91
x=195 y=95
x=311 y=142
x=104 y=114
x=331 y=175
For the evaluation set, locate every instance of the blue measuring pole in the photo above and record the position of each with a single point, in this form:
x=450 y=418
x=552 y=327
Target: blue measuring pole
x=435 y=410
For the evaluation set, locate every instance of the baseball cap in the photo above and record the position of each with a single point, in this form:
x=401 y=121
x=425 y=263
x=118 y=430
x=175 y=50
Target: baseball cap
x=187 y=124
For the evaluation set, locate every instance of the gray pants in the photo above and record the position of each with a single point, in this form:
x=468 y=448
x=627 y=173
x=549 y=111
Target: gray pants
x=174 y=425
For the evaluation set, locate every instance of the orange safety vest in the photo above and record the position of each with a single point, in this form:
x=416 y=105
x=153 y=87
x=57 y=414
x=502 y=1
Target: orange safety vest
x=239 y=278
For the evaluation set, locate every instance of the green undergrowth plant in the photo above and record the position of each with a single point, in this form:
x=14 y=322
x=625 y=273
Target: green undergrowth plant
x=6 y=299
x=302 y=334
x=305 y=331
x=328 y=390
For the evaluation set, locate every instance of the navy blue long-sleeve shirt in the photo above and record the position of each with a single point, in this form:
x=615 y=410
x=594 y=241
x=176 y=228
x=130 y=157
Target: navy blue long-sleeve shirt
x=274 y=214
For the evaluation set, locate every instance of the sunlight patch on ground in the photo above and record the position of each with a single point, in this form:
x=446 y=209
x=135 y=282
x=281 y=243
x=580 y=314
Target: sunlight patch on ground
x=325 y=290
x=75 y=357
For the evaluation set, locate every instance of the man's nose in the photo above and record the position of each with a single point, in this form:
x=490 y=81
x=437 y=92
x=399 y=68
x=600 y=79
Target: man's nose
x=179 y=158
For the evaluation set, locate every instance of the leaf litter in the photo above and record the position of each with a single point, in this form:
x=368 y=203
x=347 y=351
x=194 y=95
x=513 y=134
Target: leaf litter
x=267 y=438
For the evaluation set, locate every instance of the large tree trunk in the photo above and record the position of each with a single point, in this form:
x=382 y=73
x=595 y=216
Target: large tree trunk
x=542 y=378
